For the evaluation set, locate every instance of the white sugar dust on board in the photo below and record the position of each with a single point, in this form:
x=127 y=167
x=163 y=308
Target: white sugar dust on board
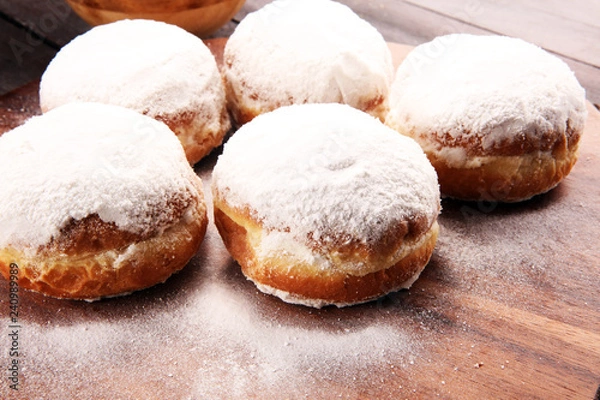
x=258 y=354
x=208 y=333
x=504 y=253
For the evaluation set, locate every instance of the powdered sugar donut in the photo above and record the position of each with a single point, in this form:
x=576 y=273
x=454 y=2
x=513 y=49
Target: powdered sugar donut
x=499 y=118
x=313 y=51
x=322 y=204
x=96 y=200
x=154 y=68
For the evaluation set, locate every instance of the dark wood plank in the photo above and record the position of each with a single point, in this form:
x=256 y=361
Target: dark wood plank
x=23 y=56
x=50 y=19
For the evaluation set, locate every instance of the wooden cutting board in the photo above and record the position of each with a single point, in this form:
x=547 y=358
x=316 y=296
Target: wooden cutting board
x=508 y=308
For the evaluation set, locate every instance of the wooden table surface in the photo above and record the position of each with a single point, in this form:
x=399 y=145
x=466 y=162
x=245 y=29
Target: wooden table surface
x=31 y=31
x=508 y=307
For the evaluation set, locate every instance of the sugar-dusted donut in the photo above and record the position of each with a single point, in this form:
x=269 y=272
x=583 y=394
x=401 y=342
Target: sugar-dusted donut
x=313 y=51
x=157 y=69
x=97 y=200
x=323 y=204
x=499 y=118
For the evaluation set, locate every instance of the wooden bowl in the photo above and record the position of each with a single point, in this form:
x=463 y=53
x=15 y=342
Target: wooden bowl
x=200 y=17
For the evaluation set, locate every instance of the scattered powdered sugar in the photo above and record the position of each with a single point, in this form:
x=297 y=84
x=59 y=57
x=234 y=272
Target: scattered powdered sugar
x=307 y=51
x=326 y=172
x=82 y=159
x=483 y=244
x=152 y=67
x=490 y=260
x=210 y=334
x=487 y=87
x=263 y=353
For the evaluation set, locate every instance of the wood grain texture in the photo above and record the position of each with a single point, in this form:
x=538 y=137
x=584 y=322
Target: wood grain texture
x=52 y=20
x=18 y=106
x=22 y=57
x=507 y=308
x=565 y=36
x=569 y=32
x=581 y=11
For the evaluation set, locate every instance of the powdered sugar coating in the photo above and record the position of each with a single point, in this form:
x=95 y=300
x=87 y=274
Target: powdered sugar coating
x=484 y=88
x=152 y=67
x=292 y=52
x=85 y=158
x=326 y=172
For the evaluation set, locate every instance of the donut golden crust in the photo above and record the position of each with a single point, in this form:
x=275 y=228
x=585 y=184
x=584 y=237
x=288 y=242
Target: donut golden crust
x=506 y=178
x=493 y=128
x=243 y=111
x=194 y=130
x=117 y=206
x=513 y=172
x=343 y=212
x=106 y=261
x=154 y=68
x=302 y=283
x=298 y=52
